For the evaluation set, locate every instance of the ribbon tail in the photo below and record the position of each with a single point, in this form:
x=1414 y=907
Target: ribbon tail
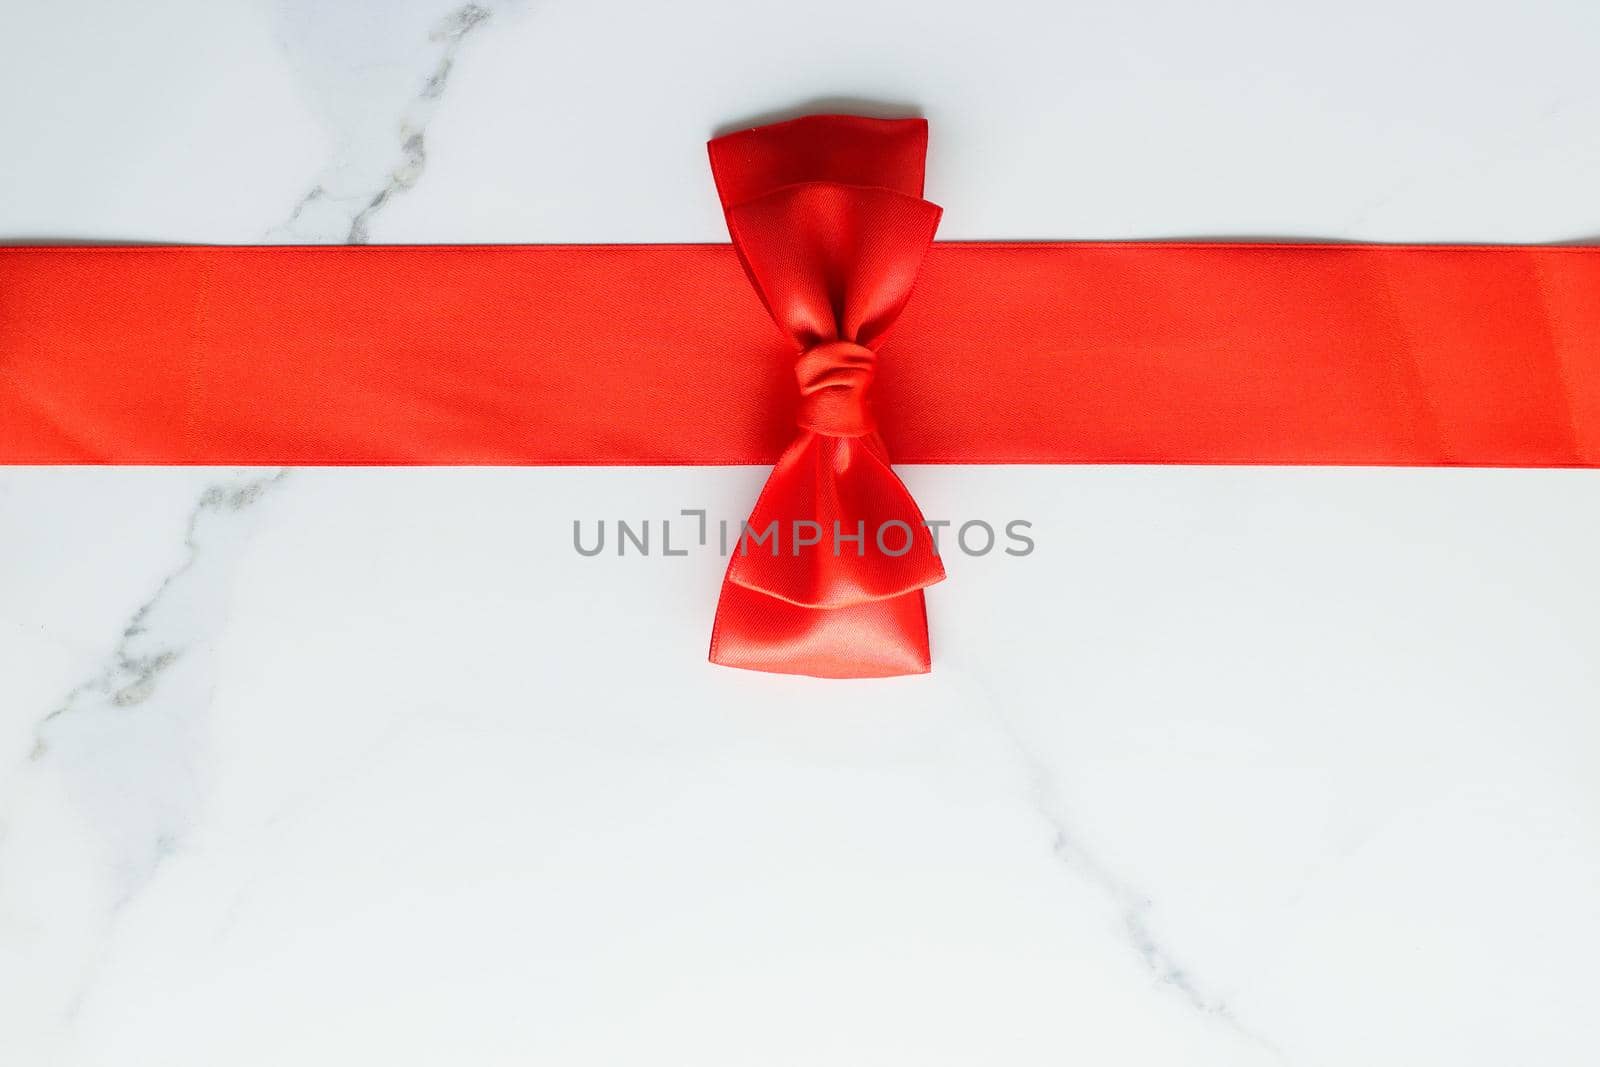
x=799 y=598
x=835 y=526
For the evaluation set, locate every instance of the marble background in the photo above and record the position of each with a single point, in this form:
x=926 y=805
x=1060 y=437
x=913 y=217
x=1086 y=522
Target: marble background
x=1241 y=767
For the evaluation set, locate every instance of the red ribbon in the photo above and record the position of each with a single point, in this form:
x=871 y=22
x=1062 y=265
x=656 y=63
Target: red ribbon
x=827 y=216
x=1011 y=352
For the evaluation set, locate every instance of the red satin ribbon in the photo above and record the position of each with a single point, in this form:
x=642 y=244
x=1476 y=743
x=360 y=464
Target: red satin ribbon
x=827 y=216
x=1006 y=353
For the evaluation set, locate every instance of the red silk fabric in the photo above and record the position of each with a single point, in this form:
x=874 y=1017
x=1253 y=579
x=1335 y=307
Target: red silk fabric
x=660 y=354
x=827 y=216
x=999 y=353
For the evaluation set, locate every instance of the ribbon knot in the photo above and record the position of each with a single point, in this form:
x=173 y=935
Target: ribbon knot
x=828 y=218
x=834 y=377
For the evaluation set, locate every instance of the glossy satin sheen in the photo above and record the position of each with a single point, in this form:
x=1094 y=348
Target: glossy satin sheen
x=1419 y=355
x=828 y=219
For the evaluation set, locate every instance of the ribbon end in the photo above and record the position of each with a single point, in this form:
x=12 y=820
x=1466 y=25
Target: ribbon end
x=878 y=639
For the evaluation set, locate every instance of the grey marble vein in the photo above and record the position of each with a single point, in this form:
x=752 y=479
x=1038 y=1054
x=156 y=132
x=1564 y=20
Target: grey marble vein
x=1132 y=906
x=112 y=725
x=375 y=167
x=123 y=746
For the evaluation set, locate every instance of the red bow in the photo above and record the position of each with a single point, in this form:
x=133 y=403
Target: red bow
x=828 y=217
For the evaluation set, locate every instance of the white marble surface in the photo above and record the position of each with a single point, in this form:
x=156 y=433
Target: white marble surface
x=1240 y=767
